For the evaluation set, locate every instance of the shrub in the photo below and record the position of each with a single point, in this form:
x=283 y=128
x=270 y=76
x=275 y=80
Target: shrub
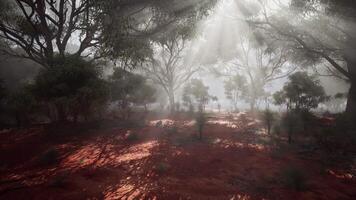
x=294 y=178
x=73 y=86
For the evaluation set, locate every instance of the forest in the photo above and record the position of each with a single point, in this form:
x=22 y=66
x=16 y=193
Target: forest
x=178 y=99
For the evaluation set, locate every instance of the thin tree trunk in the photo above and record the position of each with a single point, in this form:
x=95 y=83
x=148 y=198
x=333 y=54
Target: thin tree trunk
x=171 y=101
x=351 y=105
x=351 y=98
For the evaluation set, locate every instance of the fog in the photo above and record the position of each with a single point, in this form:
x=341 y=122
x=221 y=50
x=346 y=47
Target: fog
x=178 y=99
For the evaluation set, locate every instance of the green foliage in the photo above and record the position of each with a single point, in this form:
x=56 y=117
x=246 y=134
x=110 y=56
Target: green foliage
x=73 y=85
x=293 y=178
x=120 y=41
x=301 y=92
x=128 y=88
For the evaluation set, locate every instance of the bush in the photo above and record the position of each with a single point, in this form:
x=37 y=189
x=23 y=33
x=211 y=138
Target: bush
x=293 y=178
x=73 y=86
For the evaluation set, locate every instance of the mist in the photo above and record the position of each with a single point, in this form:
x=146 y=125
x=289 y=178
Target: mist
x=177 y=99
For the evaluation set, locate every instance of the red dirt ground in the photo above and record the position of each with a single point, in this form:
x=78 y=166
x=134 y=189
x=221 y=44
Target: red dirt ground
x=231 y=162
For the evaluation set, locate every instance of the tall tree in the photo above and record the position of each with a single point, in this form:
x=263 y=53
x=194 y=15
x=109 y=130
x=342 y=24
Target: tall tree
x=235 y=87
x=259 y=62
x=301 y=92
x=320 y=32
x=43 y=28
x=168 y=67
x=196 y=93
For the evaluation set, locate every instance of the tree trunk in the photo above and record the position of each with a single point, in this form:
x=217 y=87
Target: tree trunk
x=351 y=105
x=289 y=138
x=252 y=104
x=171 y=101
x=269 y=128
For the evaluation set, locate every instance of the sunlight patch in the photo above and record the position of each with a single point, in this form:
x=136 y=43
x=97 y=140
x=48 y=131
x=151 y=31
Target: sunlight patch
x=107 y=154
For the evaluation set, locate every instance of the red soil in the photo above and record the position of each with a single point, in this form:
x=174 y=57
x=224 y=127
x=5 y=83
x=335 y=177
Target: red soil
x=230 y=163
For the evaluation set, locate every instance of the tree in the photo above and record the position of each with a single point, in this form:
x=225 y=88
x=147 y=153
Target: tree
x=144 y=95
x=318 y=32
x=257 y=62
x=197 y=94
x=336 y=103
x=302 y=92
x=73 y=88
x=169 y=68
x=128 y=88
x=235 y=88
x=119 y=29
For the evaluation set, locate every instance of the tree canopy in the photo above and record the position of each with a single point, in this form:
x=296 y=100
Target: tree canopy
x=302 y=92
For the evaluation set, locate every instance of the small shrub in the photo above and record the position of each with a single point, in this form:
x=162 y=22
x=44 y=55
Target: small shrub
x=50 y=157
x=294 y=178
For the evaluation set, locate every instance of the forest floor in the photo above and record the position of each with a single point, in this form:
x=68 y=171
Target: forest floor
x=163 y=160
